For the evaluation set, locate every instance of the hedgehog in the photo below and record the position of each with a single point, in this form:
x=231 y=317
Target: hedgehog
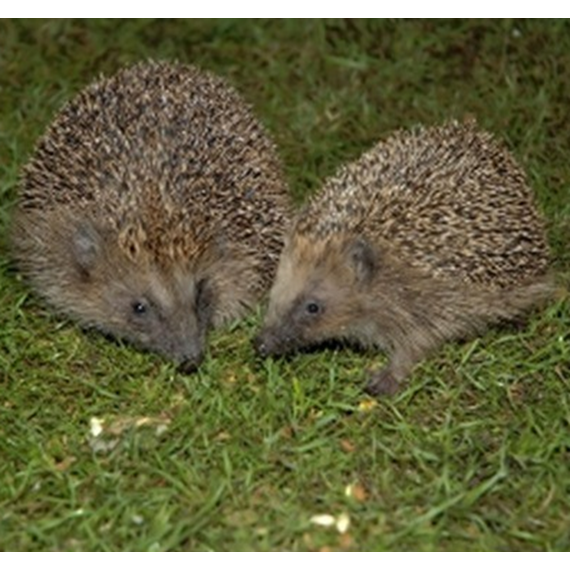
x=153 y=208
x=431 y=235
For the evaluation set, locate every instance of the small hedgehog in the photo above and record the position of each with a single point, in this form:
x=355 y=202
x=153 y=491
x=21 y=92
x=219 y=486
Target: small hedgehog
x=153 y=208
x=431 y=235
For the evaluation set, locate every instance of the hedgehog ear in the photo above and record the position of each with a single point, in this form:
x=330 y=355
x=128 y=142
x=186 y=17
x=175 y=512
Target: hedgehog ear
x=363 y=259
x=86 y=247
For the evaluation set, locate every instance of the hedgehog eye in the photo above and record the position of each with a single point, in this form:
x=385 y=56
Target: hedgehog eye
x=312 y=308
x=139 y=308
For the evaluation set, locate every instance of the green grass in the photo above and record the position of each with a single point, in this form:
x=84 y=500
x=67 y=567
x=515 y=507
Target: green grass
x=474 y=454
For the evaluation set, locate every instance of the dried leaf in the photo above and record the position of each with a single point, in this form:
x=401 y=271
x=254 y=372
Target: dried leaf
x=103 y=446
x=347 y=445
x=346 y=541
x=323 y=520
x=119 y=425
x=342 y=523
x=65 y=463
x=222 y=436
x=96 y=426
x=356 y=491
x=367 y=405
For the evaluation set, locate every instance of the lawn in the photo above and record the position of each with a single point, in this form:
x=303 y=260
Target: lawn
x=103 y=447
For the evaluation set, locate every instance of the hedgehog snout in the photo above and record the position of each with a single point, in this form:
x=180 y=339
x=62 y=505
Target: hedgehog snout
x=261 y=347
x=190 y=365
x=186 y=346
x=271 y=343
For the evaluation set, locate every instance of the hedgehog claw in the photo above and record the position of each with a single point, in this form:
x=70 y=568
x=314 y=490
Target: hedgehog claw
x=382 y=383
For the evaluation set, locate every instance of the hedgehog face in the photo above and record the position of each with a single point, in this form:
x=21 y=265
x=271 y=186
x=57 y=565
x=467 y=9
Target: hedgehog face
x=319 y=293
x=164 y=311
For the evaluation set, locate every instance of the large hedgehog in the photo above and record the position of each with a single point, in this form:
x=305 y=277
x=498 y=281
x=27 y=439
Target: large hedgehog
x=429 y=236
x=153 y=208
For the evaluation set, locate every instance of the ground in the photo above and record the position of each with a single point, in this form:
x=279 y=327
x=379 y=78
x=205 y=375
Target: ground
x=106 y=448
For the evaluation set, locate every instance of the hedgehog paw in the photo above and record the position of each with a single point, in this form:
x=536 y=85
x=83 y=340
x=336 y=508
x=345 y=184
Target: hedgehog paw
x=382 y=383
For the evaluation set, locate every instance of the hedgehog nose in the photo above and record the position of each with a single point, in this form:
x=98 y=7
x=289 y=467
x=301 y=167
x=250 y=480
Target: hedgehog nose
x=189 y=365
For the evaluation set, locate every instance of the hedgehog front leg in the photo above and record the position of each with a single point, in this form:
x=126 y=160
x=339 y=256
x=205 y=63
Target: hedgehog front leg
x=389 y=380
x=382 y=383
